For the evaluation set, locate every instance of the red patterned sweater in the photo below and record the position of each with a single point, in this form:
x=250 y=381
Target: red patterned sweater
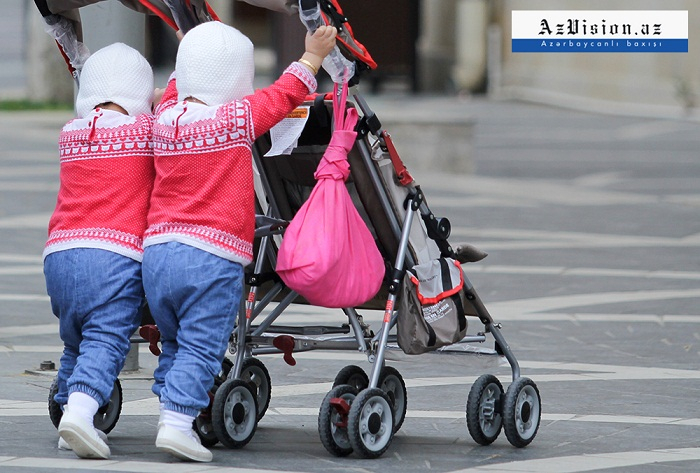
x=106 y=174
x=203 y=194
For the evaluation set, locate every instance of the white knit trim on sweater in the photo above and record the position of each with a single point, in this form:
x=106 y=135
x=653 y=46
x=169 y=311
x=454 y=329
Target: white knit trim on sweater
x=211 y=240
x=200 y=130
x=96 y=234
x=302 y=73
x=136 y=255
x=117 y=136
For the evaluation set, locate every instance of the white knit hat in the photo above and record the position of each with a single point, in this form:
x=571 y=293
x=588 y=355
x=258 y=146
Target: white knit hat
x=116 y=73
x=215 y=64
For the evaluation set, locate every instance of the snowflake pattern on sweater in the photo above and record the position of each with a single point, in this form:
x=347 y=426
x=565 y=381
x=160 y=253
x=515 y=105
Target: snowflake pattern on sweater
x=106 y=174
x=203 y=194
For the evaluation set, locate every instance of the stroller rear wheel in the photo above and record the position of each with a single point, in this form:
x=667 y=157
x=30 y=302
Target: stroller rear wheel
x=106 y=417
x=484 y=419
x=202 y=424
x=333 y=419
x=391 y=382
x=521 y=412
x=371 y=423
x=205 y=431
x=234 y=413
x=55 y=412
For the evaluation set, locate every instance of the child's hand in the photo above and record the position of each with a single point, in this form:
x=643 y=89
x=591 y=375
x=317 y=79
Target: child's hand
x=318 y=45
x=321 y=42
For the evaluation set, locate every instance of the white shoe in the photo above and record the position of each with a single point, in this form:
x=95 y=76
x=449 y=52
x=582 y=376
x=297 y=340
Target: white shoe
x=82 y=437
x=63 y=445
x=181 y=445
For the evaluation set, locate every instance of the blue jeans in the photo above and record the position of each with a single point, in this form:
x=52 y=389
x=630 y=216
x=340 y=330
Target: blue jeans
x=97 y=296
x=194 y=297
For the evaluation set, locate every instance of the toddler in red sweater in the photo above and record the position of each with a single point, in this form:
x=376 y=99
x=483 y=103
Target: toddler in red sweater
x=92 y=259
x=201 y=220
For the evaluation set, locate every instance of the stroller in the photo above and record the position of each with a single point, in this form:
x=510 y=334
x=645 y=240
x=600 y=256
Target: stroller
x=363 y=410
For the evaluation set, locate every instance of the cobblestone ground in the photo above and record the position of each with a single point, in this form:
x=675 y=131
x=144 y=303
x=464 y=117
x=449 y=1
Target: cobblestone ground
x=591 y=225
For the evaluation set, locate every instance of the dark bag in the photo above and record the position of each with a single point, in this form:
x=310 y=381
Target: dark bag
x=431 y=307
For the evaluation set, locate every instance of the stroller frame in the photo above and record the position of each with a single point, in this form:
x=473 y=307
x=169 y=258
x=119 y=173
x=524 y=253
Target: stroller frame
x=348 y=407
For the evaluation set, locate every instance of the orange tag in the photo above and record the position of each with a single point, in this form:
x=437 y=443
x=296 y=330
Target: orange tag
x=301 y=112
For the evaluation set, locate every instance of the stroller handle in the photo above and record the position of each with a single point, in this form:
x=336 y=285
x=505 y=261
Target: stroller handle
x=336 y=65
x=308 y=4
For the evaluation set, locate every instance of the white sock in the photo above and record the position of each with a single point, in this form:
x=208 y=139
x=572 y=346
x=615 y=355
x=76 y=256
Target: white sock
x=83 y=405
x=181 y=422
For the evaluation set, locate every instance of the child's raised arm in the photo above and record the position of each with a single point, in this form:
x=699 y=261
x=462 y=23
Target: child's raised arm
x=318 y=45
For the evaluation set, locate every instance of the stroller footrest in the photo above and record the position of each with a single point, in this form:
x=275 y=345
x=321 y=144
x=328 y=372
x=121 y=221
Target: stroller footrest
x=308 y=330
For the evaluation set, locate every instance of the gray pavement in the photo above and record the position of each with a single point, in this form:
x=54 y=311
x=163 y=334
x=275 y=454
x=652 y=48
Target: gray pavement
x=13 y=36
x=592 y=229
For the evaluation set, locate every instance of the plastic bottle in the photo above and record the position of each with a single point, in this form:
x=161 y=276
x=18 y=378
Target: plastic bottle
x=62 y=30
x=336 y=65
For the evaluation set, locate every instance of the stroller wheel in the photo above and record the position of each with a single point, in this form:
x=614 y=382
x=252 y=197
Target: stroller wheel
x=55 y=412
x=371 y=423
x=521 y=412
x=256 y=375
x=352 y=375
x=234 y=413
x=333 y=420
x=202 y=424
x=391 y=382
x=226 y=365
x=106 y=417
x=484 y=419
x=205 y=431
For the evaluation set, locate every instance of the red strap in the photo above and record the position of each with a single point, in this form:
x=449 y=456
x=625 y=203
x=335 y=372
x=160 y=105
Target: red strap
x=364 y=55
x=71 y=69
x=402 y=173
x=443 y=295
x=156 y=11
x=159 y=13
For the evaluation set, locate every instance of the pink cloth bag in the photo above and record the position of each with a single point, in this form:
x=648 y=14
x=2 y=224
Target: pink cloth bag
x=328 y=254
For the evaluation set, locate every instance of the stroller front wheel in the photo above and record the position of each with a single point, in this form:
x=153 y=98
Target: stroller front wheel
x=484 y=419
x=521 y=412
x=234 y=413
x=371 y=423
